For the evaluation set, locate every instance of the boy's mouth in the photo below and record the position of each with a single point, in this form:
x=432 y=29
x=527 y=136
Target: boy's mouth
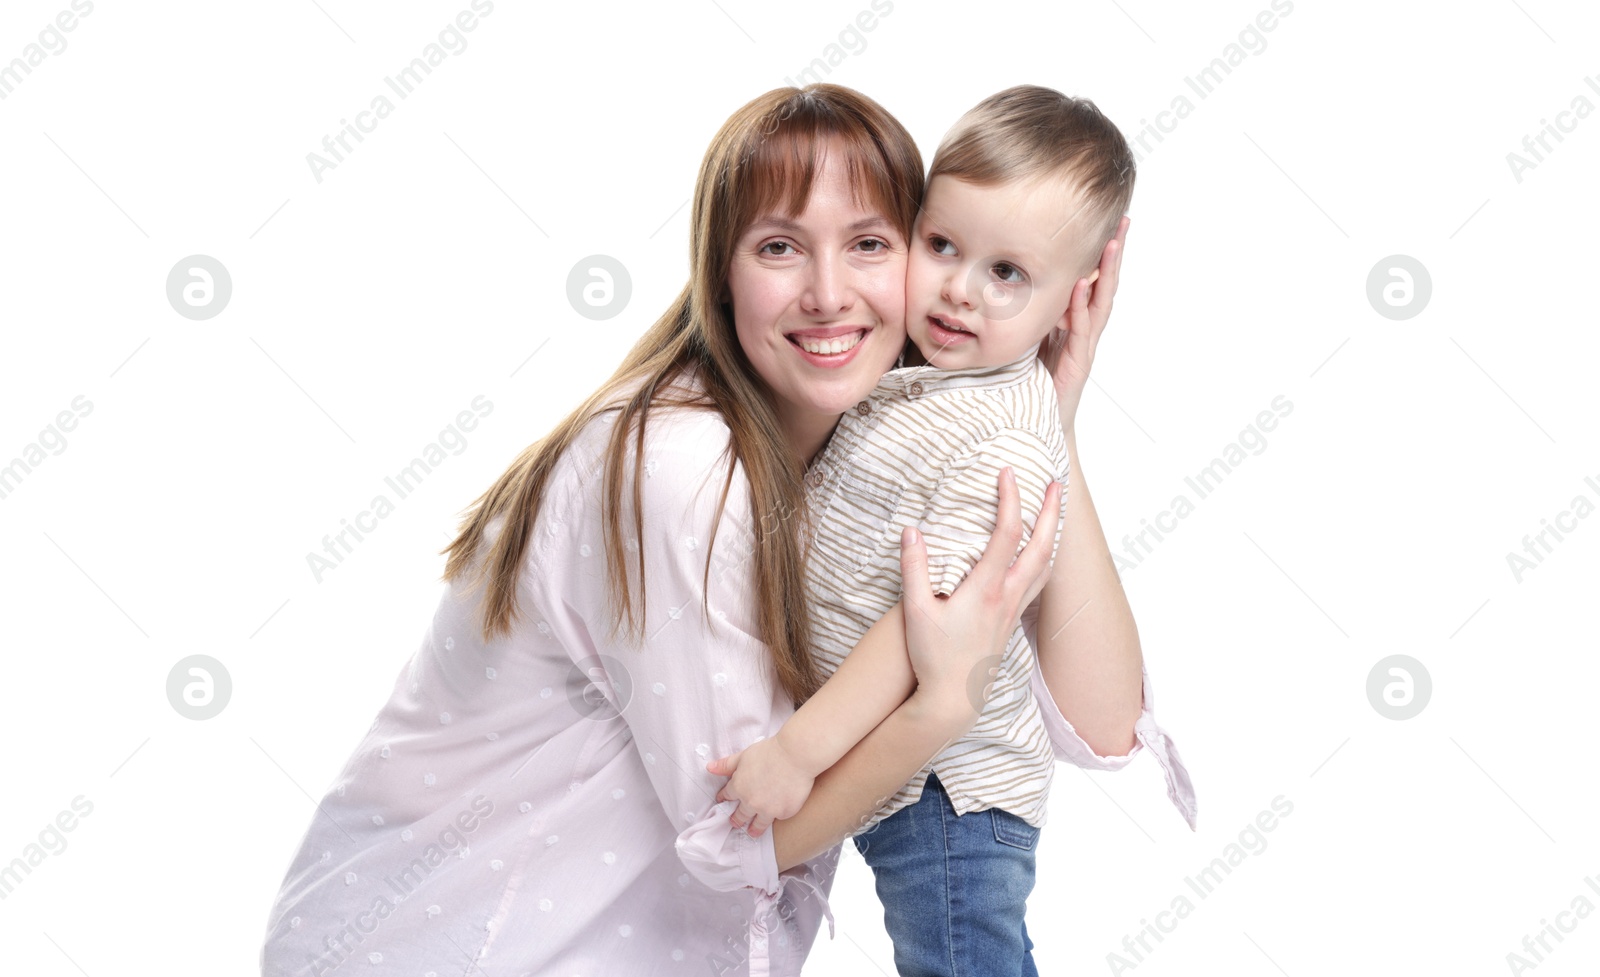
x=948 y=331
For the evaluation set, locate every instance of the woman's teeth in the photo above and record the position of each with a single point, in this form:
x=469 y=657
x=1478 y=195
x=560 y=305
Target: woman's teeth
x=839 y=344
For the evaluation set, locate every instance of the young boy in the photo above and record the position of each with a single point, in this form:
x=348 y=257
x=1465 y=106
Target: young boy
x=1023 y=194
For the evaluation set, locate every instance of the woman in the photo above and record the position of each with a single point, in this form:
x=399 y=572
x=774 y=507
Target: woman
x=532 y=799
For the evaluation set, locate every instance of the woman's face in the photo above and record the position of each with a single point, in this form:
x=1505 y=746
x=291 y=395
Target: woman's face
x=819 y=304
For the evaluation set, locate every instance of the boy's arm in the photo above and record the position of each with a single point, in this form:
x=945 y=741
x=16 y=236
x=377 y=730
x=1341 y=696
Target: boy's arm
x=848 y=793
x=771 y=779
x=869 y=684
x=948 y=642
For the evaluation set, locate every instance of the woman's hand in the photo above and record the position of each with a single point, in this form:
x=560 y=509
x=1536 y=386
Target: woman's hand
x=955 y=643
x=1086 y=320
x=769 y=784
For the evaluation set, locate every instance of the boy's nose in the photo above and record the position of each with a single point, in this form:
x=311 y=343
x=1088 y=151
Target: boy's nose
x=955 y=287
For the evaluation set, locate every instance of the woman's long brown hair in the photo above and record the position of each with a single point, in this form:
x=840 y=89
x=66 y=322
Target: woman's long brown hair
x=764 y=157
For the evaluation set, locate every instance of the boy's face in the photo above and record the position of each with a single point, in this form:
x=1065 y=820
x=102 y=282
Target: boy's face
x=991 y=269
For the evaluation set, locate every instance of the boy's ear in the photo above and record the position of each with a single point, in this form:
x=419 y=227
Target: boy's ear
x=1064 y=322
x=1058 y=332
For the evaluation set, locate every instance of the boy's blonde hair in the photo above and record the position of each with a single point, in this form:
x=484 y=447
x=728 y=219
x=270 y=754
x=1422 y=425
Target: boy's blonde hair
x=1028 y=133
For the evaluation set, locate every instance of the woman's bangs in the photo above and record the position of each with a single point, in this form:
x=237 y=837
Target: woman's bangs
x=782 y=166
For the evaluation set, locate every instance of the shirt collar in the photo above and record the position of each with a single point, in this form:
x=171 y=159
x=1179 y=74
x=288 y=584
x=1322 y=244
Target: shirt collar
x=923 y=380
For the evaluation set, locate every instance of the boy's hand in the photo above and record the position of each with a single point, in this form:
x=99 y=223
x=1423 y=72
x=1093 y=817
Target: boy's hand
x=767 y=782
x=1086 y=320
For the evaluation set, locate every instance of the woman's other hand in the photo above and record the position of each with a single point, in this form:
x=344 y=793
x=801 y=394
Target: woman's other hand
x=956 y=642
x=1087 y=314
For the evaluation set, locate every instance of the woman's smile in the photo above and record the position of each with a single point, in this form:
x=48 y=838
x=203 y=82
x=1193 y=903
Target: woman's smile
x=831 y=346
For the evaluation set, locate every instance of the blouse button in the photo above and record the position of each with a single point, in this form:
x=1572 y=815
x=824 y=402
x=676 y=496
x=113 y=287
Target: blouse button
x=864 y=408
x=916 y=388
x=814 y=479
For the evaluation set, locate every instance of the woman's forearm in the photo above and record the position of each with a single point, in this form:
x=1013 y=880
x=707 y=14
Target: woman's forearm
x=874 y=770
x=1088 y=642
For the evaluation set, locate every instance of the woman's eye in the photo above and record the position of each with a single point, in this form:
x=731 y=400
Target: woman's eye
x=774 y=244
x=1008 y=273
x=878 y=245
x=939 y=244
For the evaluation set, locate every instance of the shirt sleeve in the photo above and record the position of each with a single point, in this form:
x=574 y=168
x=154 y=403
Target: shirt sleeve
x=701 y=684
x=1071 y=748
x=961 y=514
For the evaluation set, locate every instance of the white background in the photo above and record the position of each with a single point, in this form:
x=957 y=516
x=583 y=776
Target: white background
x=371 y=307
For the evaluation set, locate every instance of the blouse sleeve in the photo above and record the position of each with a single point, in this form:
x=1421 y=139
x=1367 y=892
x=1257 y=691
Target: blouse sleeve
x=1071 y=748
x=700 y=684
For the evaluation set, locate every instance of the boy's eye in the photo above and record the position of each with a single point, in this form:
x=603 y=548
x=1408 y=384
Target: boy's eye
x=1008 y=272
x=774 y=244
x=939 y=244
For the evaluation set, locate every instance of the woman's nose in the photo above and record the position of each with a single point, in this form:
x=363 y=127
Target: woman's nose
x=827 y=288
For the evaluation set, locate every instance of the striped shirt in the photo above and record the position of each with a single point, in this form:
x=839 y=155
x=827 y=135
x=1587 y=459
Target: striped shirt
x=926 y=448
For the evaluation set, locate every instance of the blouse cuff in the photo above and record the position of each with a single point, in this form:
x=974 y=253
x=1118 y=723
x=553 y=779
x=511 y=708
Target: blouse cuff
x=1071 y=748
x=726 y=858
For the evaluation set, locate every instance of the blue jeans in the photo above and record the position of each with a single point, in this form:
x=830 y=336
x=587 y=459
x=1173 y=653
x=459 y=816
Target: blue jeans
x=954 y=889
